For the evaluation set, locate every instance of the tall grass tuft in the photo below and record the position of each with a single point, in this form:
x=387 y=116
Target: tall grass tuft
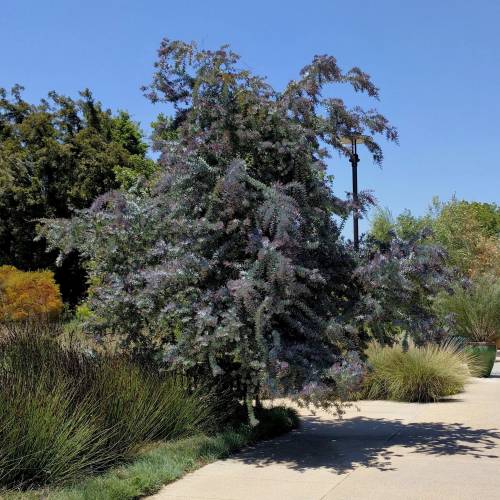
x=65 y=414
x=475 y=310
x=420 y=374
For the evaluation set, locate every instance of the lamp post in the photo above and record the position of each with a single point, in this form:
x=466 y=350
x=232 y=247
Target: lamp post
x=353 y=141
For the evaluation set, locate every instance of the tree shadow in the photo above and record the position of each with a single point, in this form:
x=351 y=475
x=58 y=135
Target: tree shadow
x=341 y=446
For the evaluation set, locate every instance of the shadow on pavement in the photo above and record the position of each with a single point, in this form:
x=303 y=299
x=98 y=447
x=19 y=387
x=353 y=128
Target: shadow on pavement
x=342 y=446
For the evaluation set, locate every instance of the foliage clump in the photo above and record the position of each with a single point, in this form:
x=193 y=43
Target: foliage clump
x=443 y=279
x=419 y=374
x=469 y=232
x=399 y=281
x=233 y=266
x=57 y=156
x=28 y=295
x=65 y=414
x=473 y=309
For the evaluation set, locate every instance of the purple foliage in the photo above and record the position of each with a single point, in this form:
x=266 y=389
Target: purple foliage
x=232 y=266
x=399 y=283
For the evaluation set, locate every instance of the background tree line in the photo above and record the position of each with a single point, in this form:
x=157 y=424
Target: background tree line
x=56 y=157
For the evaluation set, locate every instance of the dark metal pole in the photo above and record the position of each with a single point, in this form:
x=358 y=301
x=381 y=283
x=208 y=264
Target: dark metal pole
x=354 y=159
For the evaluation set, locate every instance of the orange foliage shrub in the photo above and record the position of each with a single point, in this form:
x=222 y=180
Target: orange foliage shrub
x=24 y=295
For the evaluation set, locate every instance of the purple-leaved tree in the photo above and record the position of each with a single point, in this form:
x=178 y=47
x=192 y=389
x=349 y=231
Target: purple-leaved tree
x=231 y=264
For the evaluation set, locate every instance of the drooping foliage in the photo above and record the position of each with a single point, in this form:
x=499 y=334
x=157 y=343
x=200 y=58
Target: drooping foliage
x=28 y=295
x=54 y=157
x=233 y=266
x=400 y=280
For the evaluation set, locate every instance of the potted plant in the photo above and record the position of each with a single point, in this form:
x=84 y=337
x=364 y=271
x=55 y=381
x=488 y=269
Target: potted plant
x=484 y=353
x=475 y=314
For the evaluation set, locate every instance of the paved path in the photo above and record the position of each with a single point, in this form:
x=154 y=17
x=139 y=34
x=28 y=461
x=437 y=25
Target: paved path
x=387 y=450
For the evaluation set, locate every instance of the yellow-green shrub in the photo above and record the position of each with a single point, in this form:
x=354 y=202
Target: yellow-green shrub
x=419 y=374
x=28 y=294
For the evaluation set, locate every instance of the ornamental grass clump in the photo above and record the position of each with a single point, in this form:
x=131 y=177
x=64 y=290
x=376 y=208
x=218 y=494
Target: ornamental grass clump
x=474 y=311
x=65 y=414
x=419 y=374
x=47 y=435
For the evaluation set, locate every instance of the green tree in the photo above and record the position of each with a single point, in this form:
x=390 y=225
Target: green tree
x=55 y=157
x=470 y=232
x=382 y=226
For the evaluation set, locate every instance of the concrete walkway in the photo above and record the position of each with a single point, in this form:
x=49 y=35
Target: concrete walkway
x=387 y=450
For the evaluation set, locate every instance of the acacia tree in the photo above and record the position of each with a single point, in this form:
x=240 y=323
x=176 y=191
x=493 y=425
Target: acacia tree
x=233 y=266
x=400 y=279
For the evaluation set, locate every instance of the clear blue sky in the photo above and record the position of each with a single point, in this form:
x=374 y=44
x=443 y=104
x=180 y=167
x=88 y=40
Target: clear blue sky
x=437 y=64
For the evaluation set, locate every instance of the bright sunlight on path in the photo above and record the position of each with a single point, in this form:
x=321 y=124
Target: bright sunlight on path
x=386 y=451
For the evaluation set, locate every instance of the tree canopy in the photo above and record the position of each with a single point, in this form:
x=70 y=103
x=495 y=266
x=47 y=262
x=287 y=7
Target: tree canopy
x=57 y=156
x=233 y=265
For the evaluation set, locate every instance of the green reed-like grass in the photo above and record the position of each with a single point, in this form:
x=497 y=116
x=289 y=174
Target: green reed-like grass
x=65 y=414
